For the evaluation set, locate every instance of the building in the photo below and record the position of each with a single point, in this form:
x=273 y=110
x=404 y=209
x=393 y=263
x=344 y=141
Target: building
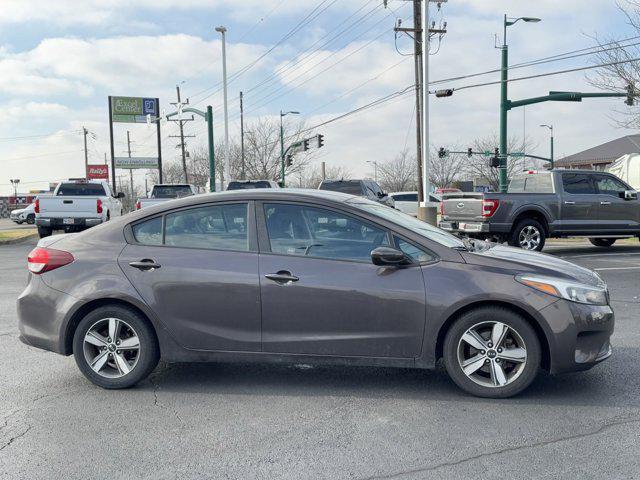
x=601 y=156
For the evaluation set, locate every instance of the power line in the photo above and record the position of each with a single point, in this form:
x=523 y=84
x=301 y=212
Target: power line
x=26 y=137
x=315 y=12
x=48 y=154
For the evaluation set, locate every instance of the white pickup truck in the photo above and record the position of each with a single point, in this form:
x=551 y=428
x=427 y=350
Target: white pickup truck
x=163 y=192
x=75 y=205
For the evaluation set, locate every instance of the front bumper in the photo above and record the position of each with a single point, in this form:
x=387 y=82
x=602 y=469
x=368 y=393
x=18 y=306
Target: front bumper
x=60 y=223
x=41 y=315
x=581 y=335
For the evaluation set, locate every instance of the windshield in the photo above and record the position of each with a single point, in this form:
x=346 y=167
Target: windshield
x=248 y=185
x=353 y=187
x=413 y=224
x=170 y=191
x=81 y=189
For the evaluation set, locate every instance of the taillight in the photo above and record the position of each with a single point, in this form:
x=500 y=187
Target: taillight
x=98 y=206
x=138 y=206
x=42 y=260
x=37 y=206
x=489 y=207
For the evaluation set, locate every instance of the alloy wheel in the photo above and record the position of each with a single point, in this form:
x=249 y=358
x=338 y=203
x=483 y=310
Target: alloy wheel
x=111 y=347
x=529 y=238
x=492 y=354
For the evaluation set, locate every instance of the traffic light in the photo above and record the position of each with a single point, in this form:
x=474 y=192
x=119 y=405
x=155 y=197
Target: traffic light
x=305 y=145
x=442 y=152
x=447 y=92
x=469 y=152
x=320 y=140
x=495 y=160
x=289 y=160
x=630 y=95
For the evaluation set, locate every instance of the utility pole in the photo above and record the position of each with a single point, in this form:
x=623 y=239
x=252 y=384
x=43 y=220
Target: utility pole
x=324 y=171
x=242 y=173
x=86 y=153
x=375 y=169
x=179 y=104
x=227 y=160
x=131 y=202
x=550 y=127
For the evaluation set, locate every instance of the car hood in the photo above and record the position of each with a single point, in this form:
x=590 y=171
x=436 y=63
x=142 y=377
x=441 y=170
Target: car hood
x=524 y=261
x=18 y=211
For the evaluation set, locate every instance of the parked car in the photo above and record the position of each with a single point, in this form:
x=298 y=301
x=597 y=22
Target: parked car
x=544 y=204
x=251 y=184
x=407 y=202
x=275 y=275
x=163 y=192
x=75 y=205
x=363 y=188
x=22 y=215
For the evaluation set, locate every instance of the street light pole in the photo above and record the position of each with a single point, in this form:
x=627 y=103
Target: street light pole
x=282 y=162
x=222 y=30
x=15 y=182
x=504 y=102
x=375 y=169
x=550 y=127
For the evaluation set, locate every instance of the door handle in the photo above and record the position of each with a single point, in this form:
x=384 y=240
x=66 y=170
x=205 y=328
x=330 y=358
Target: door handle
x=605 y=203
x=569 y=203
x=282 y=277
x=145 y=264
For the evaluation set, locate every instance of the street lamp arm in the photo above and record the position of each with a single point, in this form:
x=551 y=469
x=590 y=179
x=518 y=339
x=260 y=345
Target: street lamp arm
x=188 y=110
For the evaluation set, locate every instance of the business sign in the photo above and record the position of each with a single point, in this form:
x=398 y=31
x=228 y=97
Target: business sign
x=133 y=109
x=95 y=172
x=136 y=162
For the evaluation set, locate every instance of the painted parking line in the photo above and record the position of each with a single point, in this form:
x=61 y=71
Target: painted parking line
x=602 y=255
x=617 y=268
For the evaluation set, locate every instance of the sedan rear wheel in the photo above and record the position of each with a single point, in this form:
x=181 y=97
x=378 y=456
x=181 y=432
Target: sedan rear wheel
x=492 y=352
x=115 y=347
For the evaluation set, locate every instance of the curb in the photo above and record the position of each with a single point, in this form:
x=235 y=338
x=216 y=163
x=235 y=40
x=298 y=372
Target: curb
x=14 y=241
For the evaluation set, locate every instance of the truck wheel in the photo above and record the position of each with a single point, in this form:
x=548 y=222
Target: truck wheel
x=44 y=231
x=31 y=219
x=602 y=242
x=528 y=234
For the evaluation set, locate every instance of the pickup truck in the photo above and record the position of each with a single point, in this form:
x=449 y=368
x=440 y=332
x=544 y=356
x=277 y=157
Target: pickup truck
x=75 y=205
x=540 y=205
x=163 y=192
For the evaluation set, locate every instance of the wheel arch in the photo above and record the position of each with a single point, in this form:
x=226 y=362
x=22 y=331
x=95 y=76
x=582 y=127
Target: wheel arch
x=82 y=311
x=533 y=322
x=531 y=212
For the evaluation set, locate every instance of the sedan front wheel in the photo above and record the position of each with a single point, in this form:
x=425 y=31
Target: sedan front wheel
x=492 y=352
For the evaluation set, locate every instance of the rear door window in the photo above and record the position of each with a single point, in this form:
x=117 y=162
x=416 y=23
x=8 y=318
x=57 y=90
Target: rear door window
x=148 y=232
x=577 y=183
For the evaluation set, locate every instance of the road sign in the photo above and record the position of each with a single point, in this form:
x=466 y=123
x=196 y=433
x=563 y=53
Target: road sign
x=136 y=162
x=132 y=109
x=98 y=172
x=517 y=154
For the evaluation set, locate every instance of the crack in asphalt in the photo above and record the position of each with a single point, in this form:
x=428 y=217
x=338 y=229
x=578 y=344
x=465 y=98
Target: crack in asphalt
x=542 y=443
x=156 y=388
x=15 y=437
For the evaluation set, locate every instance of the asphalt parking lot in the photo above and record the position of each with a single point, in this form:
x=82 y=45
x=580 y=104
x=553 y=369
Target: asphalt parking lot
x=297 y=422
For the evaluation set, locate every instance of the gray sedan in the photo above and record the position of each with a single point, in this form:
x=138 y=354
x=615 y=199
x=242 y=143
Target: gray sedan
x=276 y=275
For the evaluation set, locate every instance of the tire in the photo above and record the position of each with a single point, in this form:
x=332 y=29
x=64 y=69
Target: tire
x=44 y=231
x=482 y=382
x=528 y=234
x=602 y=242
x=31 y=219
x=109 y=372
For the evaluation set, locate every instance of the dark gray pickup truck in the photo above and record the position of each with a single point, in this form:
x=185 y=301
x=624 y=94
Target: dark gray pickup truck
x=543 y=204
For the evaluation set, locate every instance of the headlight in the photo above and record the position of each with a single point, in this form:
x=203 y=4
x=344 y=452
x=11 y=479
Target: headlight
x=573 y=291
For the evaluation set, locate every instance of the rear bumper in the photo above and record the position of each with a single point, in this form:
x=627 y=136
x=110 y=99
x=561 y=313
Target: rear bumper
x=59 y=223
x=464 y=227
x=41 y=315
x=581 y=337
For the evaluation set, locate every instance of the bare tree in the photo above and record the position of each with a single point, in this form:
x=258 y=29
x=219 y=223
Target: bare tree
x=616 y=77
x=311 y=176
x=446 y=170
x=399 y=173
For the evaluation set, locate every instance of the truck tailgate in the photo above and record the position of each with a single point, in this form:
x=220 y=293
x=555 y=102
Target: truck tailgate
x=68 y=207
x=462 y=206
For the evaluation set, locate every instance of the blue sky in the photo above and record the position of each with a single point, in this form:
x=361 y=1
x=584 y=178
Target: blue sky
x=60 y=60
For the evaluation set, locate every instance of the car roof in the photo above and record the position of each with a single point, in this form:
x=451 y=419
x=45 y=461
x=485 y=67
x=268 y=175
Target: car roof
x=408 y=192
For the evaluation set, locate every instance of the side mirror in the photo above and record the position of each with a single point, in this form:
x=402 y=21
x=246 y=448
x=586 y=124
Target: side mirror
x=120 y=195
x=630 y=195
x=388 y=256
x=382 y=194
